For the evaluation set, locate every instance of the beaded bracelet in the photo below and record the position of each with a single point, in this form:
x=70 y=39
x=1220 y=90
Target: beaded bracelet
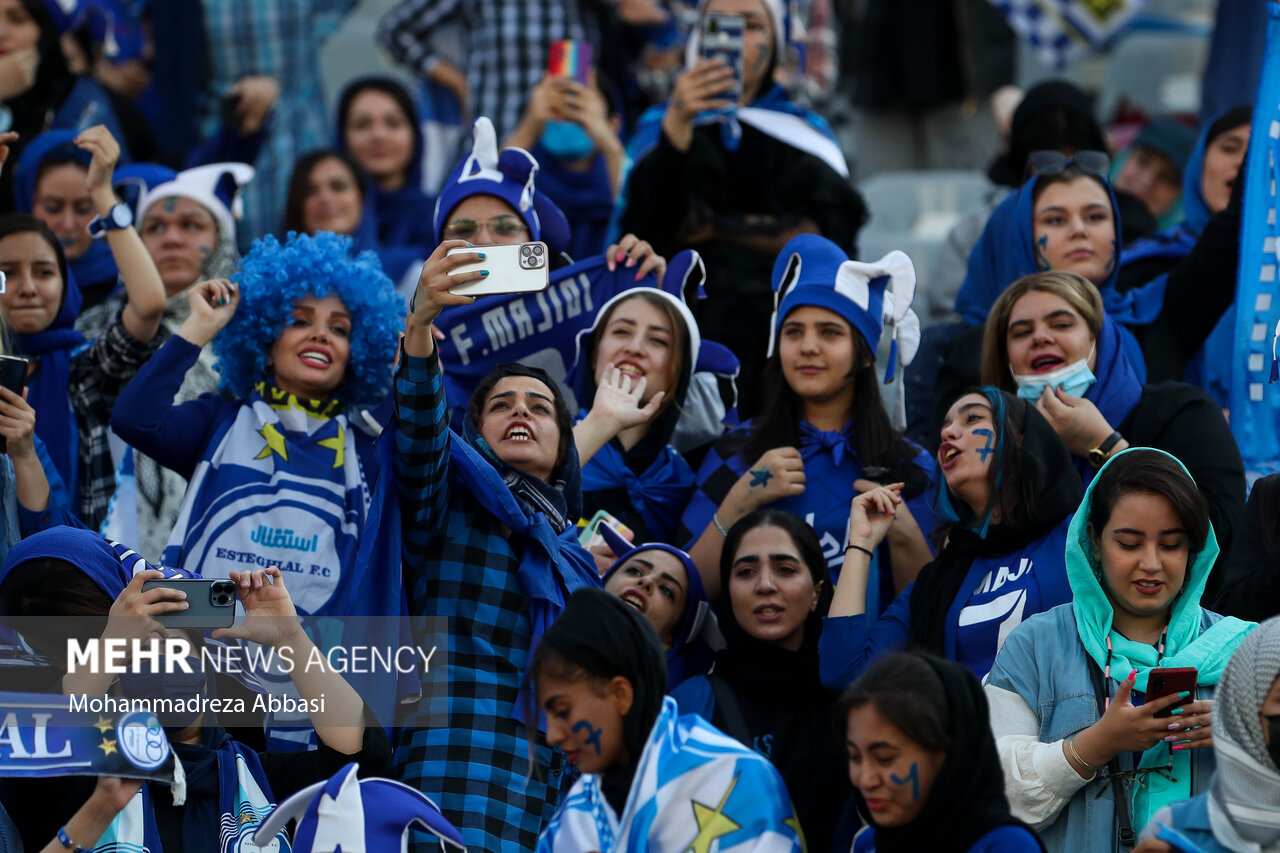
x=65 y=841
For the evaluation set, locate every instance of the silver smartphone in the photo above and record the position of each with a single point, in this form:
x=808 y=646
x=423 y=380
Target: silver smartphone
x=515 y=268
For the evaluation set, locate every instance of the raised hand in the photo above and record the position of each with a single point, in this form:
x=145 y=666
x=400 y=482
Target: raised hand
x=432 y=294
x=105 y=150
x=134 y=614
x=618 y=399
x=631 y=250
x=17 y=424
x=1076 y=420
x=270 y=617
x=213 y=304
x=872 y=514
x=697 y=89
x=1125 y=727
x=256 y=95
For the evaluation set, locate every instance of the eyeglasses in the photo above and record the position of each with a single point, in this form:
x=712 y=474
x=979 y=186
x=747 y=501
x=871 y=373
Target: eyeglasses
x=1055 y=162
x=500 y=226
x=1115 y=780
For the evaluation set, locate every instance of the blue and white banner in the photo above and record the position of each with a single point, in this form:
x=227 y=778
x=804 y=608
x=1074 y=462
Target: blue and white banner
x=1254 y=396
x=46 y=735
x=1066 y=31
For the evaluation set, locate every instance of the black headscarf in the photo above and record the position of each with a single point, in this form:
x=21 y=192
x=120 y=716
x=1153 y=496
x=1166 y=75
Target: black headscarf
x=967 y=799
x=1054 y=115
x=1050 y=491
x=607 y=638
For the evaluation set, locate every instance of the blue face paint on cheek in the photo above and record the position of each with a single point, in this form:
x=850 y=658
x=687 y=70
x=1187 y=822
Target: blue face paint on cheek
x=1042 y=246
x=593 y=734
x=989 y=448
x=913 y=777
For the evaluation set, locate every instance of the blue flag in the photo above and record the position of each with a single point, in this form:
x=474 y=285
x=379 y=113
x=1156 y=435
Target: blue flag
x=538 y=329
x=1066 y=31
x=1254 y=398
x=50 y=735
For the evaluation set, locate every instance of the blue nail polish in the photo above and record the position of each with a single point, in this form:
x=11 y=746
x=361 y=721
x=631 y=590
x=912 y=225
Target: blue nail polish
x=480 y=255
x=1176 y=711
x=1184 y=694
x=484 y=272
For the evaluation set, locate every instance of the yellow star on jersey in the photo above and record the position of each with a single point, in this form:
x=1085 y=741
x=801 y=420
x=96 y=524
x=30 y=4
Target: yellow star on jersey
x=338 y=445
x=712 y=823
x=104 y=725
x=107 y=746
x=245 y=817
x=274 y=442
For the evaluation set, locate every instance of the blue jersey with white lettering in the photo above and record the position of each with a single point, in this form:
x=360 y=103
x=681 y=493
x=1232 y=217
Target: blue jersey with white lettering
x=1005 y=591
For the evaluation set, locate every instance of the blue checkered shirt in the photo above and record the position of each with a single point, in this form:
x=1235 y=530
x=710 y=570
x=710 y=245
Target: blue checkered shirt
x=508 y=43
x=461 y=746
x=282 y=39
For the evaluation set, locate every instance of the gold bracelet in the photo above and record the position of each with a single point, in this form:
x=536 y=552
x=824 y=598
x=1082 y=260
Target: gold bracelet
x=1071 y=747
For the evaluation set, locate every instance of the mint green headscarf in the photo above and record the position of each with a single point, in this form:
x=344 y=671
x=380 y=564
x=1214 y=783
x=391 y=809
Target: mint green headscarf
x=1185 y=645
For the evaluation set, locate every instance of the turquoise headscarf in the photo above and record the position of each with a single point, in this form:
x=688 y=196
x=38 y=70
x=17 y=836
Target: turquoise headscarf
x=1185 y=645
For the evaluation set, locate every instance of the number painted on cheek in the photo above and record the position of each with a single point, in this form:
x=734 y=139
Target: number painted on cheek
x=988 y=448
x=913 y=777
x=593 y=734
x=1042 y=245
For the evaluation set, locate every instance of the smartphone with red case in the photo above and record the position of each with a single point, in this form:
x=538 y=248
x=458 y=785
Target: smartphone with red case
x=1163 y=682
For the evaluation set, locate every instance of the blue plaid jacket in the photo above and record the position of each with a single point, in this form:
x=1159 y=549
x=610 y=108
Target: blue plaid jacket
x=461 y=746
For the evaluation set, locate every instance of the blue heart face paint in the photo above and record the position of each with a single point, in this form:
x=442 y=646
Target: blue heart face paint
x=593 y=734
x=988 y=448
x=913 y=777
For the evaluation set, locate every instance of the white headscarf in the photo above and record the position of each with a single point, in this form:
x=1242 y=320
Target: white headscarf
x=1244 y=797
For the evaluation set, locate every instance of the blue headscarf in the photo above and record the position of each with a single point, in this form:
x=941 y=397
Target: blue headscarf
x=689 y=654
x=95 y=266
x=84 y=549
x=48 y=395
x=400 y=219
x=1006 y=252
x=1118 y=387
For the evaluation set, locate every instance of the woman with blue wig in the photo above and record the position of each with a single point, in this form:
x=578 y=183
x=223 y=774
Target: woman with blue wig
x=1008 y=493
x=281 y=468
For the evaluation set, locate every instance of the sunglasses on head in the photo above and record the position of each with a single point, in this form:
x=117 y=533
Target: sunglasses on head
x=1055 y=162
x=500 y=226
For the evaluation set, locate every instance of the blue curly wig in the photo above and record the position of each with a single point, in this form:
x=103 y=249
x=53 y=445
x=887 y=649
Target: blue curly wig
x=273 y=277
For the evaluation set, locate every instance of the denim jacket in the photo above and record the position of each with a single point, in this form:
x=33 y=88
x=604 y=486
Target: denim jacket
x=1045 y=664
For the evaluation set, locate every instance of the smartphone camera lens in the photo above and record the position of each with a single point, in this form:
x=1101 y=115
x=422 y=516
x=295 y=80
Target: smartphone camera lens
x=222 y=594
x=537 y=250
x=526 y=250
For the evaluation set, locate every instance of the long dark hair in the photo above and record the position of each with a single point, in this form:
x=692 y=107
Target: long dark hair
x=903 y=688
x=300 y=180
x=778 y=423
x=391 y=89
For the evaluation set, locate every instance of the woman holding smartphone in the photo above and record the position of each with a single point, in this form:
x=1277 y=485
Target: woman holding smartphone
x=729 y=166
x=1089 y=753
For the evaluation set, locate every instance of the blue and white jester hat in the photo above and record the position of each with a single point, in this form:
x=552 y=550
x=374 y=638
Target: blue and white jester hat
x=508 y=175
x=812 y=270
x=205 y=186
x=346 y=814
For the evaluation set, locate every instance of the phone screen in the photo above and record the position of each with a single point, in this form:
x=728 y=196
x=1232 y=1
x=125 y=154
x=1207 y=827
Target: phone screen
x=570 y=58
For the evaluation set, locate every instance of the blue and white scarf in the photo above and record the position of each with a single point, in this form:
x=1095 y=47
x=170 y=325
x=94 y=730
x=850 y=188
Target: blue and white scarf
x=695 y=788
x=282 y=485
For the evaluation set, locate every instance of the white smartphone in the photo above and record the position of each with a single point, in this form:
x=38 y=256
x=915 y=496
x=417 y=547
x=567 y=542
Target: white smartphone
x=516 y=268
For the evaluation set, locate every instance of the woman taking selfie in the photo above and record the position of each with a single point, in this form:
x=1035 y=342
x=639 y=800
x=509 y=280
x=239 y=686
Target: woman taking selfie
x=1075 y=692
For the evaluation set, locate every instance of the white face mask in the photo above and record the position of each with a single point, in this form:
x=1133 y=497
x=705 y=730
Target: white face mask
x=1074 y=379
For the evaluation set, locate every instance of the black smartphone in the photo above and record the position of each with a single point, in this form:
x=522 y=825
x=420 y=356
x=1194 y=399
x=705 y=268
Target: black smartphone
x=13 y=375
x=1166 y=682
x=211 y=602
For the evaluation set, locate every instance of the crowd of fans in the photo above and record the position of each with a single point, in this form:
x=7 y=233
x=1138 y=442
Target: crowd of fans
x=714 y=543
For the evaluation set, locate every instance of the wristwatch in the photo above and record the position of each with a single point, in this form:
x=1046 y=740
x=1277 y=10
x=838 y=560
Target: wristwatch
x=119 y=217
x=1099 y=455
